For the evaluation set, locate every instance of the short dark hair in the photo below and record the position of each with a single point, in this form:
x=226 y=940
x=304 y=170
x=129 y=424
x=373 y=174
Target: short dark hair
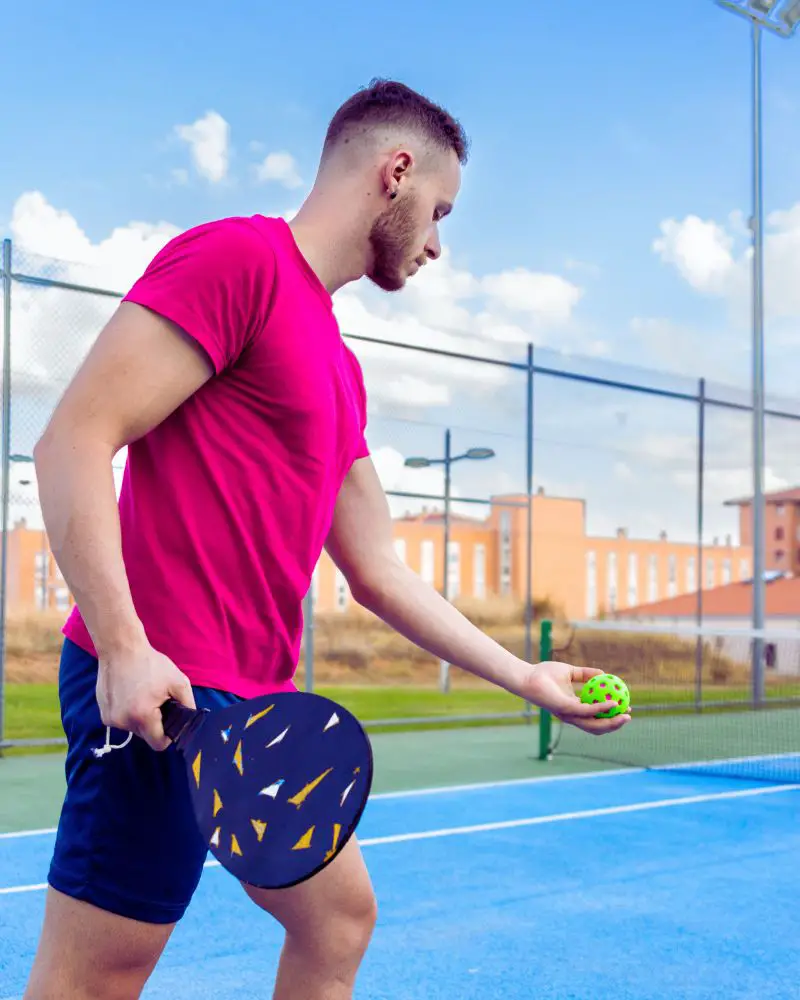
x=387 y=102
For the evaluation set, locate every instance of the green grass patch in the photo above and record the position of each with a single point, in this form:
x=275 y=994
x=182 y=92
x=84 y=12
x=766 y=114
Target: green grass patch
x=32 y=709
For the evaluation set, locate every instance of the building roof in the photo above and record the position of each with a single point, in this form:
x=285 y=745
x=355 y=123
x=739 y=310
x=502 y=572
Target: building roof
x=734 y=600
x=781 y=496
x=437 y=517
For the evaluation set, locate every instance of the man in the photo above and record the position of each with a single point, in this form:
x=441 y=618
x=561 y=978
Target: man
x=244 y=413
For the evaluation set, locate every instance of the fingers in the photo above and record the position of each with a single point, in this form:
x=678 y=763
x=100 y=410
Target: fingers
x=152 y=730
x=590 y=709
x=582 y=674
x=181 y=690
x=595 y=726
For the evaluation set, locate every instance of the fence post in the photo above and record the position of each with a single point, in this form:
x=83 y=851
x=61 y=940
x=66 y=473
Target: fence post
x=545 y=719
x=701 y=465
x=529 y=527
x=6 y=472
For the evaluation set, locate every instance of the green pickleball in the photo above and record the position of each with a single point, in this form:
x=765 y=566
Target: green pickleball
x=607 y=687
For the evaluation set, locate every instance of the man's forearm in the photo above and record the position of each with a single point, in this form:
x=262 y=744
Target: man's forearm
x=418 y=612
x=81 y=516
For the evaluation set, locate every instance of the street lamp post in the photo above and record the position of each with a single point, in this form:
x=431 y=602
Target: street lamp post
x=781 y=17
x=418 y=462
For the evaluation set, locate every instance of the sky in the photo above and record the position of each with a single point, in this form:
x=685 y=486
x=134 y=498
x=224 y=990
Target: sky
x=602 y=218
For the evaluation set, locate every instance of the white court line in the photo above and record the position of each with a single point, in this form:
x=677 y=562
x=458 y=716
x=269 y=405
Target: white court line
x=414 y=792
x=512 y=824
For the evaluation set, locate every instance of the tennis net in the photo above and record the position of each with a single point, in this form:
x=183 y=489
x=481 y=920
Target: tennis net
x=698 y=705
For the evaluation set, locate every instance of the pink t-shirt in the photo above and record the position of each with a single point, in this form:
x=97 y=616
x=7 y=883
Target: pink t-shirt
x=226 y=505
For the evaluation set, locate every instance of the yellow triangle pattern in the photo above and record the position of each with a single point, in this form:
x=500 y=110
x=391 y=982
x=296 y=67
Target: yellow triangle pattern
x=196 y=767
x=302 y=795
x=259 y=826
x=305 y=841
x=337 y=829
x=257 y=716
x=237 y=758
x=217 y=802
x=235 y=849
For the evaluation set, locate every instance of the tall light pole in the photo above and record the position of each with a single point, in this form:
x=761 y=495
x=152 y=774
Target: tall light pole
x=780 y=17
x=417 y=462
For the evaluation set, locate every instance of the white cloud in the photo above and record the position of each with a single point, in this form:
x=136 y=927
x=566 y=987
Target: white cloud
x=282 y=168
x=702 y=252
x=208 y=139
x=546 y=298
x=39 y=228
x=716 y=259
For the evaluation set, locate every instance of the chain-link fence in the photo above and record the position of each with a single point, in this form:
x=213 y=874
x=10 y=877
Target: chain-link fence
x=523 y=484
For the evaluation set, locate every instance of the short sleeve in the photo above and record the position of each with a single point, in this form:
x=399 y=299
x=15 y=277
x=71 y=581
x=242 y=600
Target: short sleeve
x=361 y=445
x=215 y=282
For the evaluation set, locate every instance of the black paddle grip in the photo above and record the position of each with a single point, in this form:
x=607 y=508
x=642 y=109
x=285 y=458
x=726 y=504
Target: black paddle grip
x=178 y=720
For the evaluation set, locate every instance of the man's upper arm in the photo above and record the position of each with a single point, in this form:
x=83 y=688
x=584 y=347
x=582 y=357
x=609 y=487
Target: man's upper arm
x=194 y=310
x=360 y=539
x=139 y=370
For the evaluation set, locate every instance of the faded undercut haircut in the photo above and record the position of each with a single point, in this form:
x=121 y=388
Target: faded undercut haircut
x=391 y=104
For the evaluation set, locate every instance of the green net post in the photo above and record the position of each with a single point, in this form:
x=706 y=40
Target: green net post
x=545 y=719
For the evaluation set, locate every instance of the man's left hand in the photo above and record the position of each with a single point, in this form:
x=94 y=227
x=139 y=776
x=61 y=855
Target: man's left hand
x=550 y=686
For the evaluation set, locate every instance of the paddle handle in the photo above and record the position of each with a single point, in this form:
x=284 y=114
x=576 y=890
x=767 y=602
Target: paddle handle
x=178 y=720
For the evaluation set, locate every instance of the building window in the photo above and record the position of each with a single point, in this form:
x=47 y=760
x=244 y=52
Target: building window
x=453 y=570
x=779 y=554
x=633 y=580
x=479 y=572
x=505 y=552
x=779 y=534
x=727 y=574
x=691 y=575
x=652 y=579
x=710 y=579
x=428 y=562
x=744 y=569
x=342 y=592
x=612 y=581
x=672 y=577
x=780 y=509
x=591 y=584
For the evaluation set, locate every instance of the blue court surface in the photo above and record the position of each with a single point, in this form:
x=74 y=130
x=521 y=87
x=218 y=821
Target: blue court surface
x=621 y=884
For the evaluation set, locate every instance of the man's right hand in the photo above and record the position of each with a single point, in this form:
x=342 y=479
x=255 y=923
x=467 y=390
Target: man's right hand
x=131 y=688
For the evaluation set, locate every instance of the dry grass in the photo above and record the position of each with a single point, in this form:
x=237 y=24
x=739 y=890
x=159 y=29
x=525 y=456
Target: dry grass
x=357 y=648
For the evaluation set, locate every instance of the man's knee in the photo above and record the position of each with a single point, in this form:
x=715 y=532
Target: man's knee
x=349 y=928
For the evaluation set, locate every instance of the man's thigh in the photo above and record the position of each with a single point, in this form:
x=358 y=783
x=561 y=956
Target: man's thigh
x=339 y=894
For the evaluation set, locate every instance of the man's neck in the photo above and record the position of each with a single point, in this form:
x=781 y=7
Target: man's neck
x=332 y=240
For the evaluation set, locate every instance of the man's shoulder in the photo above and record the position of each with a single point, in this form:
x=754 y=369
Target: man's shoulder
x=245 y=231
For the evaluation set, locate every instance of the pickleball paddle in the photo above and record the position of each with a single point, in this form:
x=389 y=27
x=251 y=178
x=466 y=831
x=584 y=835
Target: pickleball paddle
x=278 y=783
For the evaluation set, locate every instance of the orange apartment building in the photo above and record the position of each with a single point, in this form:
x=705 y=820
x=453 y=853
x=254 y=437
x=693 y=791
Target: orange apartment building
x=781 y=527
x=583 y=576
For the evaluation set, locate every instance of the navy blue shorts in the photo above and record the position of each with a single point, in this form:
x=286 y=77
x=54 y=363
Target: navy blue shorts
x=127 y=839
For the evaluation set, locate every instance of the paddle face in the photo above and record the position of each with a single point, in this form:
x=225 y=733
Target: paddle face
x=278 y=784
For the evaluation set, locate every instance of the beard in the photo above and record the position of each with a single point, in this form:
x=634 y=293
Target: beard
x=392 y=239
